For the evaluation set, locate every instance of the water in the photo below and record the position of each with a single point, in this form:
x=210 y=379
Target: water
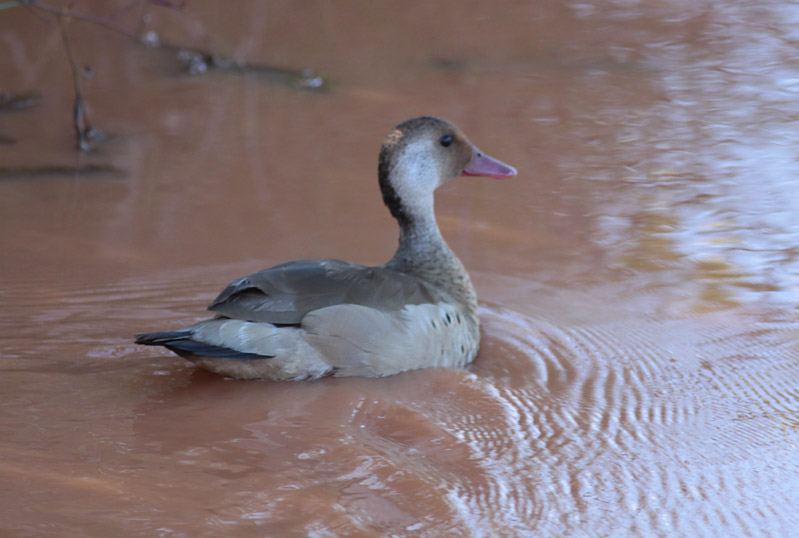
x=639 y=372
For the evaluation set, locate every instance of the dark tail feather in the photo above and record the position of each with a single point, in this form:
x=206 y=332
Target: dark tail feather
x=162 y=338
x=181 y=343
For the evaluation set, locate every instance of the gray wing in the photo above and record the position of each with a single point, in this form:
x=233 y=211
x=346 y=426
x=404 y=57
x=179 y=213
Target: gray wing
x=285 y=293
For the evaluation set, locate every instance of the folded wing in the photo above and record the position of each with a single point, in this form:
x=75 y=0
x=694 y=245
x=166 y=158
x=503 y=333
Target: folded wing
x=284 y=294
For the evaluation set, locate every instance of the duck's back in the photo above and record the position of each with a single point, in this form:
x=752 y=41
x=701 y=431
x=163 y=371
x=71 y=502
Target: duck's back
x=286 y=293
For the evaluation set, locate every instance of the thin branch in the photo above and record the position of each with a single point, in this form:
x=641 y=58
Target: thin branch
x=126 y=8
x=36 y=13
x=106 y=21
x=169 y=3
x=101 y=21
x=80 y=116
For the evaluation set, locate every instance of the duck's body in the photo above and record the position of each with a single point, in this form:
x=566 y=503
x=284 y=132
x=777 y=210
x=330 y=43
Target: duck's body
x=313 y=318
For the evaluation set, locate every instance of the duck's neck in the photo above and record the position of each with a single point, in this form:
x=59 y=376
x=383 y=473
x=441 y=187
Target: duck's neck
x=422 y=252
x=421 y=247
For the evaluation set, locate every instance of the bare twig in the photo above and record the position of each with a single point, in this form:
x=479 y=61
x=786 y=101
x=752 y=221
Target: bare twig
x=80 y=116
x=126 y=8
x=107 y=22
x=169 y=3
x=38 y=14
x=101 y=21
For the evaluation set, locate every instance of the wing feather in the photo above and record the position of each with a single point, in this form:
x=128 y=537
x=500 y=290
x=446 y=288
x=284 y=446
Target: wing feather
x=284 y=294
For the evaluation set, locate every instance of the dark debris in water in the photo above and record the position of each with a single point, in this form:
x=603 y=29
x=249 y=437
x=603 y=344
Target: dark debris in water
x=19 y=101
x=449 y=64
x=57 y=170
x=201 y=62
x=87 y=136
x=7 y=140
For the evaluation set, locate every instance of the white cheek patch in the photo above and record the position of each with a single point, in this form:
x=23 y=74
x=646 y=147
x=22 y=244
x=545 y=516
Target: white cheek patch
x=419 y=173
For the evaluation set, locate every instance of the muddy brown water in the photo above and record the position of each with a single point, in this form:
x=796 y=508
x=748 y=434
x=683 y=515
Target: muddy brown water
x=639 y=374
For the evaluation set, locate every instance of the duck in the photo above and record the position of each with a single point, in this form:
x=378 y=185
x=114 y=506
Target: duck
x=309 y=319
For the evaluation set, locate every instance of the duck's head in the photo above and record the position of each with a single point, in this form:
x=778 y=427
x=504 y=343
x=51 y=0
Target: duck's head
x=422 y=154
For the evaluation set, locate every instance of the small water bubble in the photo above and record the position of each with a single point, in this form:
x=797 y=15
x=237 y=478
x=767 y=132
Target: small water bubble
x=315 y=82
x=198 y=67
x=309 y=79
x=150 y=39
x=196 y=64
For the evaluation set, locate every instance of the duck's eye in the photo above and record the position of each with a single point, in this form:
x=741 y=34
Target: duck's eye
x=445 y=140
